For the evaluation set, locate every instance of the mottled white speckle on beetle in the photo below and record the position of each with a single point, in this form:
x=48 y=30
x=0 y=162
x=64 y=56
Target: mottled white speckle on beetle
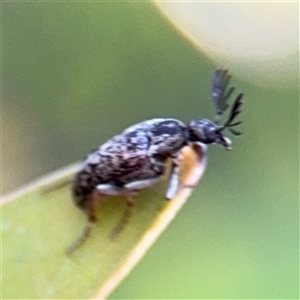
x=136 y=158
x=93 y=159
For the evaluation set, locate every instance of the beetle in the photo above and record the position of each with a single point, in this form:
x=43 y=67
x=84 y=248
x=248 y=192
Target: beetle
x=136 y=159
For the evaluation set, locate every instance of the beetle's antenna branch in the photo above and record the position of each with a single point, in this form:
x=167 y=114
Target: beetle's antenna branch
x=219 y=92
x=235 y=111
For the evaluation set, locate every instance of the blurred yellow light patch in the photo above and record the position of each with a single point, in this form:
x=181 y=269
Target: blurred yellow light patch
x=262 y=38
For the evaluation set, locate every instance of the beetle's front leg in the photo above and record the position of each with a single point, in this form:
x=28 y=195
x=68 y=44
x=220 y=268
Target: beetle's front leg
x=173 y=185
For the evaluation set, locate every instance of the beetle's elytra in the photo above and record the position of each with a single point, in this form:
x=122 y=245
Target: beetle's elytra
x=136 y=158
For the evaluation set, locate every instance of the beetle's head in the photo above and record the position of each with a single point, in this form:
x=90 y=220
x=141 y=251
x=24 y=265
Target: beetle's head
x=208 y=132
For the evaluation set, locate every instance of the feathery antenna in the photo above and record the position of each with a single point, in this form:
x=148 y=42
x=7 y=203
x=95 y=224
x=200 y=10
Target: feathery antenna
x=221 y=92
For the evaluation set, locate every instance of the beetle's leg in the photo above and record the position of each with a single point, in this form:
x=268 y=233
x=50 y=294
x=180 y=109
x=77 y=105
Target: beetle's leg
x=128 y=189
x=141 y=184
x=109 y=189
x=174 y=177
x=113 y=190
x=125 y=218
x=90 y=208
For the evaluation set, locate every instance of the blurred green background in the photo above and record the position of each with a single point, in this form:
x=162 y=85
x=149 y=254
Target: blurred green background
x=76 y=73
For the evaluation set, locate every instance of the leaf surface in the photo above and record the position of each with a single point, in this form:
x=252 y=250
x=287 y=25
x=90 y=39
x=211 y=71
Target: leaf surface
x=40 y=221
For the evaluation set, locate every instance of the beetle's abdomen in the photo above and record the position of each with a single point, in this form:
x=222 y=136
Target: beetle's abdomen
x=118 y=159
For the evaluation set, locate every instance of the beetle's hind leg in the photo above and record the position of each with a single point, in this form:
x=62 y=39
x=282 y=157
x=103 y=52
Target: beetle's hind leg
x=90 y=207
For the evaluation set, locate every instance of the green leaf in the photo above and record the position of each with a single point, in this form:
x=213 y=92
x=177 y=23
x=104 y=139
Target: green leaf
x=40 y=221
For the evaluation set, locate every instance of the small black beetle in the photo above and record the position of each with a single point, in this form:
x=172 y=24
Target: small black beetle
x=136 y=159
